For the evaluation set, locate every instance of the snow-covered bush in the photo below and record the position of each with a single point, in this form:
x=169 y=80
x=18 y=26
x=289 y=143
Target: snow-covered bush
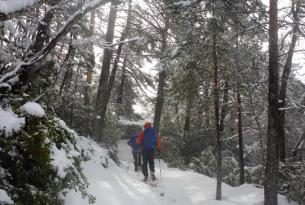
x=206 y=164
x=172 y=144
x=40 y=162
x=292 y=180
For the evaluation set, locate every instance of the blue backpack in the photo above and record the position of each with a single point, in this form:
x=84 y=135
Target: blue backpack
x=133 y=144
x=150 y=138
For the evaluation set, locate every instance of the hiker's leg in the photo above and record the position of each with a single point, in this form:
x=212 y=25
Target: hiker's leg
x=144 y=165
x=139 y=159
x=151 y=161
x=134 y=154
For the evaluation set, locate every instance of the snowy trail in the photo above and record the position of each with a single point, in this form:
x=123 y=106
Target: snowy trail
x=122 y=186
x=187 y=187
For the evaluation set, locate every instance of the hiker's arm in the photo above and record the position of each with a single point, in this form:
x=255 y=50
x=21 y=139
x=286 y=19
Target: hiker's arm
x=158 y=143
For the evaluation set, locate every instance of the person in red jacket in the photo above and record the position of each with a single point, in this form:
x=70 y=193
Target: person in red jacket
x=149 y=141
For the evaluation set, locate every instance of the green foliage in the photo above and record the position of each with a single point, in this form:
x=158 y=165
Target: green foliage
x=25 y=157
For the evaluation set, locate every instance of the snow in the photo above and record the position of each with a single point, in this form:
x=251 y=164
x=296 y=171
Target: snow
x=184 y=3
x=175 y=52
x=4 y=198
x=59 y=160
x=33 y=109
x=10 y=6
x=10 y=123
x=114 y=185
x=126 y=122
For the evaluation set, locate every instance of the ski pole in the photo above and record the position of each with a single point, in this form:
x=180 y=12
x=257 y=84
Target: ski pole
x=160 y=169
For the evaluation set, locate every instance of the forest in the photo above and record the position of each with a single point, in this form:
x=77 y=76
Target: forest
x=221 y=81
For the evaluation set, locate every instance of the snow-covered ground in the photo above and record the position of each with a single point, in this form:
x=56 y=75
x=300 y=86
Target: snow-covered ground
x=122 y=186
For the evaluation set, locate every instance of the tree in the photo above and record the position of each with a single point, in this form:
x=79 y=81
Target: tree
x=295 y=10
x=101 y=102
x=271 y=171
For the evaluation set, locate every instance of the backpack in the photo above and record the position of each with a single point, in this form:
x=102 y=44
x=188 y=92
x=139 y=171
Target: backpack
x=133 y=144
x=150 y=138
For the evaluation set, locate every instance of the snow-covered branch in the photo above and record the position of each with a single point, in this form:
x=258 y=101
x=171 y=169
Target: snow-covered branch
x=32 y=59
x=11 y=6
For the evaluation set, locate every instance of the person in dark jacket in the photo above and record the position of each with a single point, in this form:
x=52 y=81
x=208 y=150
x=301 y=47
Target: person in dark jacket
x=149 y=141
x=136 y=152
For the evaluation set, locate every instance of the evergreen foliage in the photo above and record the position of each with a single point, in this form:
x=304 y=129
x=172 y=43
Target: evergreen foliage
x=27 y=170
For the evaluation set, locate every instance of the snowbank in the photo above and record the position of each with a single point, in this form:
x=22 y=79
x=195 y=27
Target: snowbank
x=4 y=198
x=33 y=109
x=10 y=123
x=10 y=6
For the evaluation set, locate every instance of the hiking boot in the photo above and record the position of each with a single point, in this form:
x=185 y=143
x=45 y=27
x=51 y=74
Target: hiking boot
x=153 y=176
x=145 y=179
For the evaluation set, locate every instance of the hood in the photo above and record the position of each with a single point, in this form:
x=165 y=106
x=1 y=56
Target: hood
x=147 y=125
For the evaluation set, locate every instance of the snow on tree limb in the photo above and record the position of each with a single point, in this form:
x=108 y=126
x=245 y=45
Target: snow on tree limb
x=11 y=6
x=32 y=59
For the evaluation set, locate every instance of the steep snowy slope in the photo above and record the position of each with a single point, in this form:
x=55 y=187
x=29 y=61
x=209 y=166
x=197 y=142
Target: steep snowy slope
x=115 y=185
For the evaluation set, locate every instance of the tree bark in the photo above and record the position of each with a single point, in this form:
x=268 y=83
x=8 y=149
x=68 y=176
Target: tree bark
x=120 y=98
x=217 y=121
x=192 y=88
x=284 y=82
x=239 y=119
x=271 y=171
x=240 y=137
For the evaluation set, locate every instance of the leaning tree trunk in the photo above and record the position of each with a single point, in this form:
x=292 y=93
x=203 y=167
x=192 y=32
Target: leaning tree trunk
x=103 y=81
x=120 y=98
x=271 y=171
x=90 y=64
x=284 y=82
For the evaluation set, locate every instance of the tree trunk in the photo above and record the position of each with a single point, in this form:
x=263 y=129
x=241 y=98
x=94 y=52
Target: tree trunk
x=110 y=84
x=189 y=103
x=107 y=55
x=284 y=82
x=120 y=98
x=90 y=64
x=271 y=171
x=103 y=81
x=217 y=124
x=161 y=79
x=240 y=137
x=66 y=64
x=239 y=118
x=159 y=100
